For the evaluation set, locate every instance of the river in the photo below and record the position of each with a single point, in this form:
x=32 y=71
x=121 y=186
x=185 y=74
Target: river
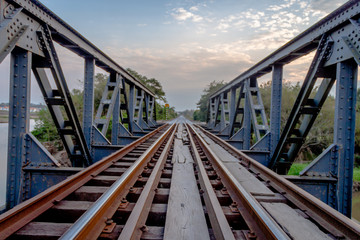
x=3 y=158
x=3 y=164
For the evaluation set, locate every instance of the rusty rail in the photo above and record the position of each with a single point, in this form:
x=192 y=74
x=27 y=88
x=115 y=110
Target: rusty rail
x=19 y=216
x=137 y=218
x=93 y=221
x=267 y=225
x=336 y=223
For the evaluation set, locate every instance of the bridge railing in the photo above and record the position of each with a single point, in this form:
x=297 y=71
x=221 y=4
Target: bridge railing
x=236 y=112
x=28 y=31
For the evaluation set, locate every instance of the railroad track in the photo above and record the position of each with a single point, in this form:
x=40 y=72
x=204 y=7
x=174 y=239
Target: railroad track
x=178 y=182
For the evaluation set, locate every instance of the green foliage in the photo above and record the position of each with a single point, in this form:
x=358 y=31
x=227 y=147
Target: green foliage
x=356 y=176
x=151 y=83
x=201 y=113
x=296 y=168
x=45 y=130
x=320 y=135
x=161 y=112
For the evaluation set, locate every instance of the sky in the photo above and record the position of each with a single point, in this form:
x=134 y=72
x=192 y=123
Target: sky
x=184 y=44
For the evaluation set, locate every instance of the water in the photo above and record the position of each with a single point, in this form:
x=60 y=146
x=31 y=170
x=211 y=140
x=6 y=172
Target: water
x=3 y=158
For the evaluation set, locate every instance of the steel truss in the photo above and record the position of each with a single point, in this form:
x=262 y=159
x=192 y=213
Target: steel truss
x=28 y=31
x=336 y=42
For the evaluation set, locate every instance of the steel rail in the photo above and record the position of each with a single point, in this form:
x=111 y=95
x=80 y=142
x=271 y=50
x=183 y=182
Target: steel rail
x=19 y=216
x=267 y=224
x=81 y=45
x=323 y=214
x=217 y=218
x=93 y=221
x=300 y=45
x=138 y=216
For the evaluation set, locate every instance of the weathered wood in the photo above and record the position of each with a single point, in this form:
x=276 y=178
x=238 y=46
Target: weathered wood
x=156 y=215
x=245 y=178
x=42 y=230
x=161 y=195
x=277 y=198
x=248 y=180
x=122 y=164
x=87 y=193
x=185 y=217
x=164 y=182
x=114 y=171
x=295 y=225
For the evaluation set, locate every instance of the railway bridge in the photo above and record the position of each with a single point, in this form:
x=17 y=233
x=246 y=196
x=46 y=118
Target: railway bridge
x=225 y=179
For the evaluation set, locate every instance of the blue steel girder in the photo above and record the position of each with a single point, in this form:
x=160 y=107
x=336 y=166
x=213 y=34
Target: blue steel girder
x=20 y=69
x=257 y=109
x=305 y=110
x=344 y=130
x=236 y=111
x=88 y=101
x=68 y=126
x=223 y=122
x=334 y=166
x=106 y=106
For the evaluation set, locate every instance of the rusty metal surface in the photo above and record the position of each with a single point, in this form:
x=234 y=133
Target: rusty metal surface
x=217 y=218
x=136 y=221
x=260 y=221
x=335 y=222
x=19 y=216
x=93 y=221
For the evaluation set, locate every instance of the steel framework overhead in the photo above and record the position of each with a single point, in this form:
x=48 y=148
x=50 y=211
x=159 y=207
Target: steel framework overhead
x=336 y=42
x=28 y=31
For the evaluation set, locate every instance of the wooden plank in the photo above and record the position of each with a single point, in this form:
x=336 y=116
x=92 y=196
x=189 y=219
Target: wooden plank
x=87 y=193
x=295 y=225
x=42 y=230
x=245 y=178
x=185 y=218
x=248 y=180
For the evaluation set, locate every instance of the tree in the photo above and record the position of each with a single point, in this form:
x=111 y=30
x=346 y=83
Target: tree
x=201 y=113
x=151 y=83
x=321 y=133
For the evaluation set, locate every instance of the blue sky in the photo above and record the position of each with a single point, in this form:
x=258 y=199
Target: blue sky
x=186 y=44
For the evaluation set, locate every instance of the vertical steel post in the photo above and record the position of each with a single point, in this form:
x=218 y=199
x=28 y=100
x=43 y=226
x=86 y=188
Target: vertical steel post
x=115 y=120
x=344 y=131
x=275 y=112
x=88 y=99
x=131 y=107
x=247 y=118
x=20 y=73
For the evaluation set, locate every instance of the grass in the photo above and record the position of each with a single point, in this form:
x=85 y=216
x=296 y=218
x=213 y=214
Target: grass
x=356 y=176
x=296 y=168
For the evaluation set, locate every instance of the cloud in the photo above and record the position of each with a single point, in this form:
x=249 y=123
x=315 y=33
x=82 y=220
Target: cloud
x=194 y=8
x=141 y=24
x=187 y=70
x=180 y=14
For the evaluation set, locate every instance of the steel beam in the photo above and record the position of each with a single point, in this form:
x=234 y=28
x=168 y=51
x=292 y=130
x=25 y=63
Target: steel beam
x=344 y=130
x=275 y=109
x=68 y=37
x=18 y=183
x=88 y=113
